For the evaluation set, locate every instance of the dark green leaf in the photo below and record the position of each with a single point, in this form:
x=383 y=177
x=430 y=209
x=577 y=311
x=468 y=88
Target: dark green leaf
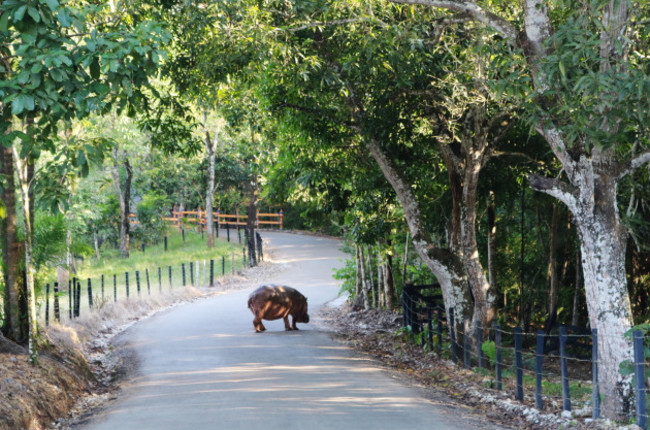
x=94 y=68
x=53 y=4
x=4 y=22
x=33 y=12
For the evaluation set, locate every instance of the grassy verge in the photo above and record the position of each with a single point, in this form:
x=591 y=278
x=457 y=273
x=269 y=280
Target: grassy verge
x=153 y=271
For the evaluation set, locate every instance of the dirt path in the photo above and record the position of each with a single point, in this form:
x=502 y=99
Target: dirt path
x=201 y=366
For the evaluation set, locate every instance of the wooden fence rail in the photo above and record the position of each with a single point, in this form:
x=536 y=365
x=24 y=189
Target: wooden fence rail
x=200 y=218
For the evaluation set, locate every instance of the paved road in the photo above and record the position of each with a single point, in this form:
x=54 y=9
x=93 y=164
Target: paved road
x=201 y=366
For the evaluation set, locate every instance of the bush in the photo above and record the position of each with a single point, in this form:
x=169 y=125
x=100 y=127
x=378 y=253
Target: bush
x=150 y=211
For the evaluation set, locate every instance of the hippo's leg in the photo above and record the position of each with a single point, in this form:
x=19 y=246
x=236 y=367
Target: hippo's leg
x=287 y=327
x=257 y=323
x=293 y=323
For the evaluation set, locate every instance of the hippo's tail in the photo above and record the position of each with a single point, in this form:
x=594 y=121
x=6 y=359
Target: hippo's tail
x=250 y=303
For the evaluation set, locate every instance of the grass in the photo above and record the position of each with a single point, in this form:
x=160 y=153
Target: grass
x=194 y=248
x=155 y=270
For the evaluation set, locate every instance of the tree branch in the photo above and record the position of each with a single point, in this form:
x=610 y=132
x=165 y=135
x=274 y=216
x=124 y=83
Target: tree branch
x=562 y=191
x=633 y=164
x=473 y=10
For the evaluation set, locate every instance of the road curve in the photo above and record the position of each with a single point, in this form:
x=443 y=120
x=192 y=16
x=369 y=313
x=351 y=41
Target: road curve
x=201 y=366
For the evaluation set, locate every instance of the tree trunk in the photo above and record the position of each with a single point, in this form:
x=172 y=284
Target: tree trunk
x=15 y=324
x=576 y=291
x=445 y=265
x=389 y=279
x=602 y=245
x=364 y=281
x=251 y=212
x=23 y=170
x=124 y=196
x=552 y=275
x=210 y=146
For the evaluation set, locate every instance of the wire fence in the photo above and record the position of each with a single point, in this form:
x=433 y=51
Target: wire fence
x=66 y=302
x=553 y=366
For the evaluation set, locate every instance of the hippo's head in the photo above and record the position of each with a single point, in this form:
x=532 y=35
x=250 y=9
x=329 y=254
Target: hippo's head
x=303 y=318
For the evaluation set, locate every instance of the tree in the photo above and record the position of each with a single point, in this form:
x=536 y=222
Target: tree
x=59 y=63
x=589 y=100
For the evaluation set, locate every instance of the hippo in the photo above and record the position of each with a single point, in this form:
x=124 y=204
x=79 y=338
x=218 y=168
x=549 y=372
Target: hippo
x=272 y=302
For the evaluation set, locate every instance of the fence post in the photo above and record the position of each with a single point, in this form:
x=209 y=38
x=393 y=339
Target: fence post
x=281 y=220
x=566 y=395
x=137 y=281
x=102 y=286
x=429 y=328
x=260 y=250
x=192 y=273
x=115 y=287
x=212 y=272
x=595 y=390
x=439 y=321
x=479 y=346
x=146 y=272
x=165 y=243
x=127 y=284
x=57 y=311
x=497 y=355
x=539 y=361
x=90 y=294
x=70 y=298
x=183 y=234
x=47 y=305
x=466 y=351
x=170 y=277
x=223 y=265
x=244 y=257
x=228 y=231
x=519 y=363
x=205 y=274
x=239 y=233
x=183 y=271
x=143 y=247
x=159 y=280
x=452 y=335
x=78 y=308
x=197 y=274
x=639 y=377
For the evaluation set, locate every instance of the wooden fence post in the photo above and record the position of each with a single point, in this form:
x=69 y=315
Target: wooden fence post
x=102 y=285
x=137 y=281
x=439 y=324
x=212 y=272
x=146 y=272
x=70 y=299
x=192 y=273
x=57 y=311
x=126 y=277
x=115 y=287
x=429 y=328
x=170 y=277
x=90 y=294
x=539 y=361
x=47 y=305
x=159 y=280
x=281 y=220
x=519 y=364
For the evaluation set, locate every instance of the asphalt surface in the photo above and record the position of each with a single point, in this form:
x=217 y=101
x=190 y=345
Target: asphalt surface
x=201 y=366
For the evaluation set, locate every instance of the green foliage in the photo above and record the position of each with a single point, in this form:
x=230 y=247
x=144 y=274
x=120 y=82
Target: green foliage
x=490 y=350
x=150 y=211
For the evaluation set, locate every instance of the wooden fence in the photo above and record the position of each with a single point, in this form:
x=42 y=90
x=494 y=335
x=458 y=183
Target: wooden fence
x=200 y=218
